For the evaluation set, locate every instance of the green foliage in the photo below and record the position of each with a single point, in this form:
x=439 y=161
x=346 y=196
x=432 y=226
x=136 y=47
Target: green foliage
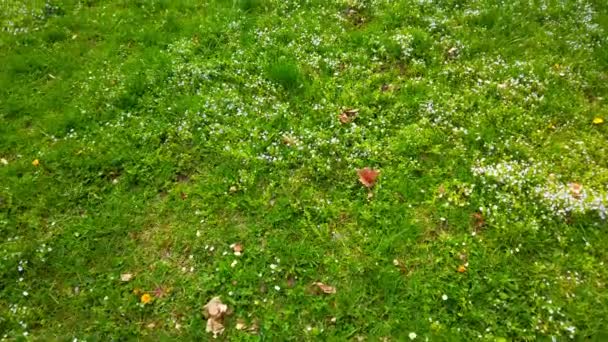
x=147 y=137
x=286 y=74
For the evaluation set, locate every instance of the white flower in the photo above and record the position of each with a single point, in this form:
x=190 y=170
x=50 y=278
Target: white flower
x=412 y=335
x=277 y=287
x=444 y=297
x=25 y=293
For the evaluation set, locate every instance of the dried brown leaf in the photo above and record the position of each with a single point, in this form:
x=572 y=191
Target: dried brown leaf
x=161 y=291
x=478 y=221
x=325 y=288
x=214 y=311
x=215 y=308
x=348 y=115
x=216 y=327
x=237 y=248
x=575 y=190
x=126 y=277
x=254 y=327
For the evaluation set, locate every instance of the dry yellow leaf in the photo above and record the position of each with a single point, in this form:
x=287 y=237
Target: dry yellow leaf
x=240 y=324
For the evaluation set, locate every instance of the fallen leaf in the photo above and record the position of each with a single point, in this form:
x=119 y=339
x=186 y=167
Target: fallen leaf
x=237 y=248
x=214 y=311
x=240 y=324
x=387 y=87
x=290 y=140
x=215 y=308
x=453 y=52
x=254 y=327
x=462 y=269
x=478 y=221
x=400 y=265
x=3 y=161
x=598 y=121
x=126 y=277
x=183 y=195
x=348 y=115
x=325 y=288
x=36 y=162
x=215 y=327
x=291 y=282
x=575 y=189
x=161 y=291
x=151 y=326
x=441 y=190
x=368 y=176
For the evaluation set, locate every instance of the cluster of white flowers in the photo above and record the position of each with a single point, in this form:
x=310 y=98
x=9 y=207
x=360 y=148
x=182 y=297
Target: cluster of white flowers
x=533 y=182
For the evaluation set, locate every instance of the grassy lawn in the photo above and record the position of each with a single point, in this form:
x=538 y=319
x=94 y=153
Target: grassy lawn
x=158 y=153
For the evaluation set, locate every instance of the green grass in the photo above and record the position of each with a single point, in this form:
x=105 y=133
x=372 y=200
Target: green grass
x=168 y=130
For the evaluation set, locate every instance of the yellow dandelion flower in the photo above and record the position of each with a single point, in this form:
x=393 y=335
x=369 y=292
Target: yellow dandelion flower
x=598 y=120
x=146 y=298
x=36 y=162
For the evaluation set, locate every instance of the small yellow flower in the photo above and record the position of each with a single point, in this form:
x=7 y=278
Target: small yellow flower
x=36 y=162
x=598 y=121
x=146 y=298
x=462 y=269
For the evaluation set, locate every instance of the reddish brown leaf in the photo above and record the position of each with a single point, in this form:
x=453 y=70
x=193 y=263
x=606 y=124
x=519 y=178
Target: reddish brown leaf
x=478 y=221
x=368 y=176
x=348 y=115
x=161 y=291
